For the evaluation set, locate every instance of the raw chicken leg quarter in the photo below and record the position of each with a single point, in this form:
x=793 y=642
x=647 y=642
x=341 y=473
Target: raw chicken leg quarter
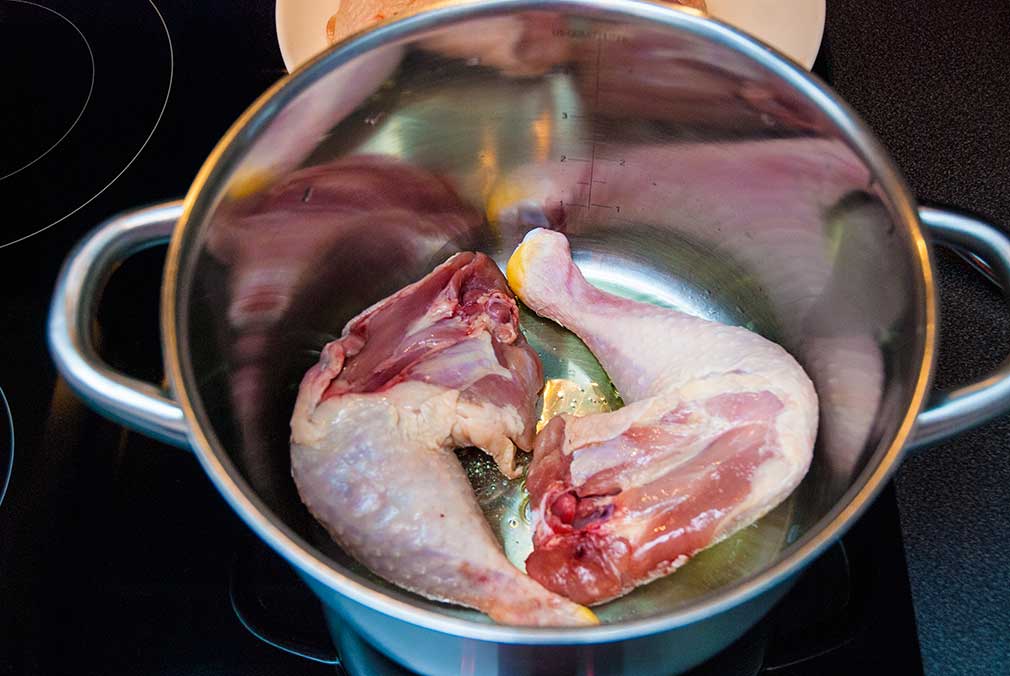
x=438 y=365
x=718 y=429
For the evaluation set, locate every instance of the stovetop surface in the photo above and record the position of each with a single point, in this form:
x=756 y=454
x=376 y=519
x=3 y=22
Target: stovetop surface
x=117 y=555
x=135 y=563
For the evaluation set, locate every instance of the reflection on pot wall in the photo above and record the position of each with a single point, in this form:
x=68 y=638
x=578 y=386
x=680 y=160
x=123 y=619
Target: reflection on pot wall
x=303 y=256
x=646 y=74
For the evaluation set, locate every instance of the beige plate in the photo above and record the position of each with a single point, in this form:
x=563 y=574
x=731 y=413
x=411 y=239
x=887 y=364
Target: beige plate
x=794 y=27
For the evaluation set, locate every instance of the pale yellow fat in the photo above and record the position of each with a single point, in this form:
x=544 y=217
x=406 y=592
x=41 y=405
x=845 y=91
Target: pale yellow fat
x=515 y=270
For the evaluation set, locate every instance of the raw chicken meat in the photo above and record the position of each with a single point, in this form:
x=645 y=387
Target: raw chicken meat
x=438 y=365
x=718 y=429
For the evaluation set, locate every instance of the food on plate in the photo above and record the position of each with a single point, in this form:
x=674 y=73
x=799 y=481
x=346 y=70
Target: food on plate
x=694 y=4
x=353 y=15
x=718 y=429
x=438 y=365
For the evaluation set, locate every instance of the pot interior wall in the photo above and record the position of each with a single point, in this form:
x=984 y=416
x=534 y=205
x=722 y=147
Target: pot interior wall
x=684 y=173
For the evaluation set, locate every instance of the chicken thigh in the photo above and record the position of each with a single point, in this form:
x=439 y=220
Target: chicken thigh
x=438 y=365
x=718 y=429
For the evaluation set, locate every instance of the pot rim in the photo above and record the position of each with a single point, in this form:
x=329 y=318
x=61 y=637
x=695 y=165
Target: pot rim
x=310 y=561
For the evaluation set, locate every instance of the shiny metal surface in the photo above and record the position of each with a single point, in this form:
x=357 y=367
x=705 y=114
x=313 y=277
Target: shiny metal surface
x=950 y=412
x=689 y=165
x=142 y=406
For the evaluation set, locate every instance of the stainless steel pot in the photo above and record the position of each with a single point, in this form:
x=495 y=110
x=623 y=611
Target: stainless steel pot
x=688 y=163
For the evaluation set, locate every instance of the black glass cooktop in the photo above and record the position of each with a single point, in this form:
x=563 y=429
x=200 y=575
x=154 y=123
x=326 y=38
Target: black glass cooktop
x=89 y=91
x=116 y=554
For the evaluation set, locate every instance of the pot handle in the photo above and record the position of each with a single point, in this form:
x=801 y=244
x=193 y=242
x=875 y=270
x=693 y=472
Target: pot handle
x=987 y=250
x=142 y=406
